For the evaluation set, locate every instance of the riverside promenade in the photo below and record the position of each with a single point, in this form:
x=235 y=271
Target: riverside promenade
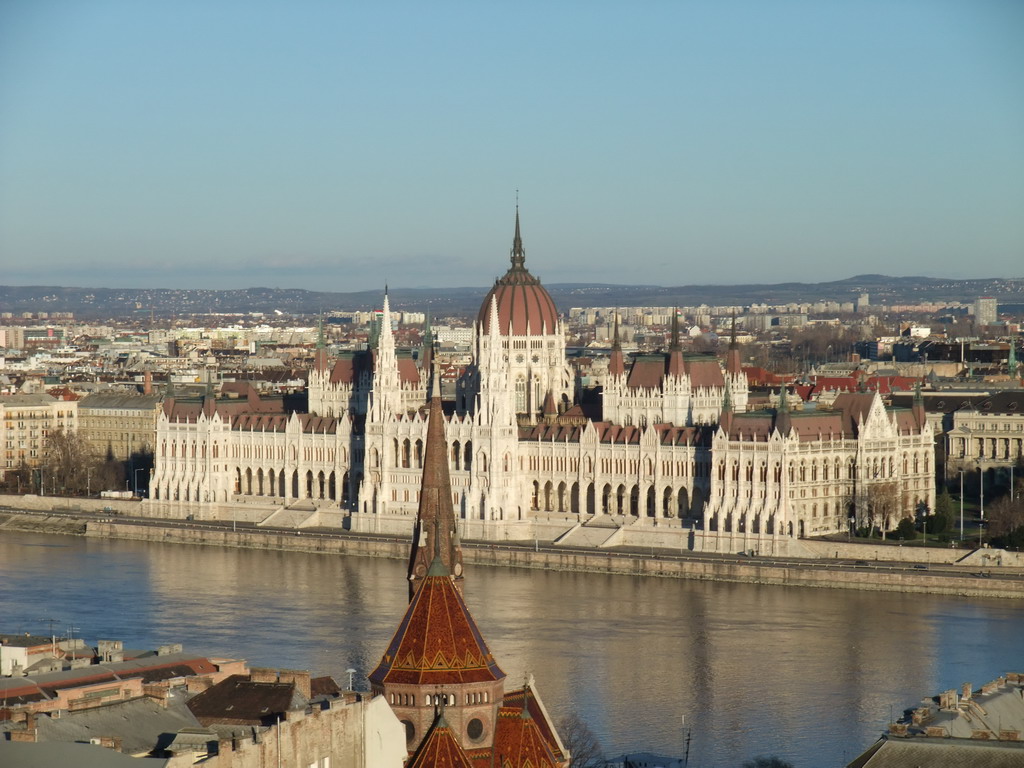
x=853 y=566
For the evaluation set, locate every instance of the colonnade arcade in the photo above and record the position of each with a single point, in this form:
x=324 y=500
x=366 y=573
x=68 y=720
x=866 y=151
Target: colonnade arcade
x=626 y=500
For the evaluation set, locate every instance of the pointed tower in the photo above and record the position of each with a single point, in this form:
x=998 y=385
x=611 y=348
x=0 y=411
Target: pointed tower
x=783 y=421
x=427 y=348
x=725 y=420
x=920 y=416
x=675 y=365
x=550 y=410
x=320 y=356
x=386 y=394
x=616 y=365
x=733 y=365
x=435 y=532
x=613 y=395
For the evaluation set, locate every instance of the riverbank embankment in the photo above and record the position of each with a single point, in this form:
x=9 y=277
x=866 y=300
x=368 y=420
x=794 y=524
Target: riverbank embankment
x=832 y=574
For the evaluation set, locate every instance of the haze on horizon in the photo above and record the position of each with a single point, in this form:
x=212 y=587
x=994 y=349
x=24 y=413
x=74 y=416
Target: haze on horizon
x=339 y=146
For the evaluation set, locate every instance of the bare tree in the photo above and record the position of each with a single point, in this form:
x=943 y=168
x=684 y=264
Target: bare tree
x=882 y=505
x=584 y=748
x=1006 y=516
x=69 y=463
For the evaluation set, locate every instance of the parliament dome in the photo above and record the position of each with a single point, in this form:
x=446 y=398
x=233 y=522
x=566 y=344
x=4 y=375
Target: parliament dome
x=524 y=307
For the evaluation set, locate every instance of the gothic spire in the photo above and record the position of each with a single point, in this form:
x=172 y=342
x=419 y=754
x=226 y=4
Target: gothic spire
x=733 y=364
x=783 y=418
x=518 y=254
x=427 y=348
x=616 y=366
x=435 y=521
x=320 y=356
x=675 y=354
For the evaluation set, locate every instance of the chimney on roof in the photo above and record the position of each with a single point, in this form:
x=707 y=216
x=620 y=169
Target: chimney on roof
x=147 y=382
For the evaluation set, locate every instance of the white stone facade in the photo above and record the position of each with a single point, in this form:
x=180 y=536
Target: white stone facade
x=519 y=454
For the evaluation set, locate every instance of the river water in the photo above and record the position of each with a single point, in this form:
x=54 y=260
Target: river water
x=809 y=675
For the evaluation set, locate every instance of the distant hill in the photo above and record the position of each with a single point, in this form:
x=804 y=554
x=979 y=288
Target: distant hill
x=442 y=302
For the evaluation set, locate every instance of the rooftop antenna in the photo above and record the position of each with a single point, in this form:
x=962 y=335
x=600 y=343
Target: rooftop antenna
x=71 y=638
x=686 y=759
x=53 y=637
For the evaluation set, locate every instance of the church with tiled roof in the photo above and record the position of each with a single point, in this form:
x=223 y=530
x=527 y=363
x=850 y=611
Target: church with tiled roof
x=437 y=673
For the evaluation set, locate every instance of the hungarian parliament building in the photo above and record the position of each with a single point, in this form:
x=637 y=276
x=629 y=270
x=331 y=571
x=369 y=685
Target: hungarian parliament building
x=674 y=446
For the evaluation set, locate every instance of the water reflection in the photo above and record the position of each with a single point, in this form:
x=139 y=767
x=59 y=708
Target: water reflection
x=806 y=674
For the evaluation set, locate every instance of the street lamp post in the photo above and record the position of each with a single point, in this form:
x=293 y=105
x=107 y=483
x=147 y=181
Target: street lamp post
x=961 y=505
x=137 y=479
x=981 y=478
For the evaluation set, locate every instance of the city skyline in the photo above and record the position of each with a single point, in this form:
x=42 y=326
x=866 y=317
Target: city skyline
x=328 y=147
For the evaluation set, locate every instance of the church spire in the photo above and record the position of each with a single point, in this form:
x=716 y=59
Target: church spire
x=435 y=529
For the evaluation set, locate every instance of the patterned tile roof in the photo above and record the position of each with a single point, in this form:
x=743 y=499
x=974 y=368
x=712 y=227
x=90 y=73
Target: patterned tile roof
x=440 y=749
x=518 y=742
x=437 y=641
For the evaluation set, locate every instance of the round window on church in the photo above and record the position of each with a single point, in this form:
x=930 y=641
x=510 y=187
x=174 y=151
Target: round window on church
x=519 y=358
x=410 y=731
x=475 y=729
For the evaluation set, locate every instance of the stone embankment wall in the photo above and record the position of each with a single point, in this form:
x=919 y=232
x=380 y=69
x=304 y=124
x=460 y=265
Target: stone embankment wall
x=840 y=573
x=837 y=576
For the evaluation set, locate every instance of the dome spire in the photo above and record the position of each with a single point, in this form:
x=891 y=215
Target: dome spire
x=518 y=254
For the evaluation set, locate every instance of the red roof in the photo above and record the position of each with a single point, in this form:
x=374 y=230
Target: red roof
x=519 y=742
x=440 y=749
x=524 y=307
x=437 y=641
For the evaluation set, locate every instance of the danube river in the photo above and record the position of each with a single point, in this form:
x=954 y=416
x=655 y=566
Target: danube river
x=809 y=675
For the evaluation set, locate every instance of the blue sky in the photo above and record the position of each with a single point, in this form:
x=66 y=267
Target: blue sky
x=339 y=145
